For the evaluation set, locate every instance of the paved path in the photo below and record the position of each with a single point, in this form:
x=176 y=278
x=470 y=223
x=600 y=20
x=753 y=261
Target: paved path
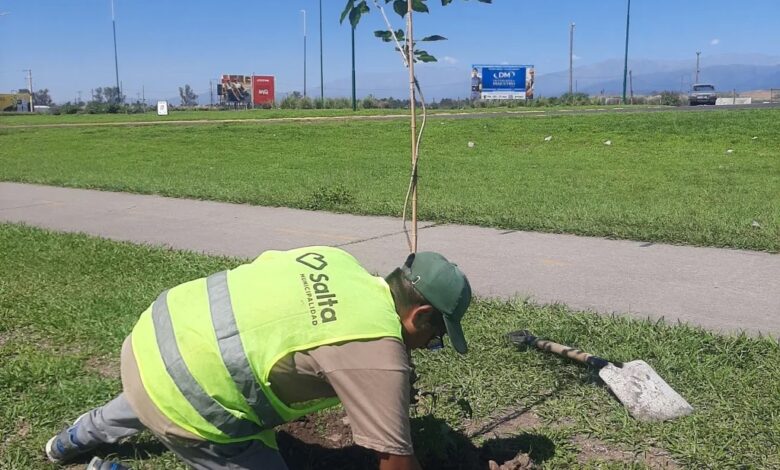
x=724 y=290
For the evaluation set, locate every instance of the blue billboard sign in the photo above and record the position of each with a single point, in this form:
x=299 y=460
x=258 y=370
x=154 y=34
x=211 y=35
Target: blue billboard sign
x=502 y=81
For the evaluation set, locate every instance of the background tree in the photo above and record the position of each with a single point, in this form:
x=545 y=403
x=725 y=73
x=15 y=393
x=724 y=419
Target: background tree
x=113 y=95
x=42 y=98
x=97 y=95
x=188 y=97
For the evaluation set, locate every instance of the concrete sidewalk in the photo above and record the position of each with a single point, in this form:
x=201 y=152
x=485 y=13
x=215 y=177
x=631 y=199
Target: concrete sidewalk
x=720 y=289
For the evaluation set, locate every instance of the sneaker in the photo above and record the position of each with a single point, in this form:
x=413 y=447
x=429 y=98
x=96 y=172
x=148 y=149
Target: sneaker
x=65 y=445
x=99 y=464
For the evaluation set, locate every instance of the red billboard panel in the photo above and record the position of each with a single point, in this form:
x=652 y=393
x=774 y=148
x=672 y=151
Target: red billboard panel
x=262 y=89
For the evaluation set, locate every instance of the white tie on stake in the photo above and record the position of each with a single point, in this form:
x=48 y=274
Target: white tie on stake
x=407 y=55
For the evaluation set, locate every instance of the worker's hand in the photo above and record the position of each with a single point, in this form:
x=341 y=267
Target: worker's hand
x=520 y=462
x=398 y=462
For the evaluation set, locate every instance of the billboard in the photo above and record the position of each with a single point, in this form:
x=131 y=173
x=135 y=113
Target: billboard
x=18 y=102
x=502 y=82
x=262 y=89
x=246 y=89
x=236 y=88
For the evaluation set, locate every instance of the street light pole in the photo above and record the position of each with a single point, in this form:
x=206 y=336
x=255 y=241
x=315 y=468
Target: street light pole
x=322 y=80
x=571 y=57
x=304 y=52
x=354 y=100
x=116 y=60
x=29 y=84
x=625 y=62
x=698 y=53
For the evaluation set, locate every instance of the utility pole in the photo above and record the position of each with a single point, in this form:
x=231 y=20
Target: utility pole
x=211 y=94
x=631 y=85
x=625 y=62
x=143 y=96
x=116 y=60
x=354 y=100
x=304 y=52
x=571 y=57
x=410 y=60
x=698 y=53
x=29 y=84
x=322 y=79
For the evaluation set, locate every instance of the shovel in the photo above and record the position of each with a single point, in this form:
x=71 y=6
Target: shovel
x=641 y=390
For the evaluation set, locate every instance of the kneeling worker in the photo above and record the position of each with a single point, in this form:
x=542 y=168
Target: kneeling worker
x=214 y=364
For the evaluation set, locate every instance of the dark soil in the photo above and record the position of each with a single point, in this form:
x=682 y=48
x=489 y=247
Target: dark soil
x=325 y=442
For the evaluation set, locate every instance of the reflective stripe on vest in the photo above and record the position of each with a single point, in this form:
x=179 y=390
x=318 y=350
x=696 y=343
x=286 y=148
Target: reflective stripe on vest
x=233 y=357
x=233 y=354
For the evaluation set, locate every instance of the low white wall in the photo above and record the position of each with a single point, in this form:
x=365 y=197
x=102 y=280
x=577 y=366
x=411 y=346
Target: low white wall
x=727 y=101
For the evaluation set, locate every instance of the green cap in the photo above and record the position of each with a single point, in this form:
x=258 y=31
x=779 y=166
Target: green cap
x=444 y=285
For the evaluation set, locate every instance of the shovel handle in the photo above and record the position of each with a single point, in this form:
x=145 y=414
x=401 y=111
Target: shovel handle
x=524 y=337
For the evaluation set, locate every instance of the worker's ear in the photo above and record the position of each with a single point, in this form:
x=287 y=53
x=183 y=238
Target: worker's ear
x=422 y=315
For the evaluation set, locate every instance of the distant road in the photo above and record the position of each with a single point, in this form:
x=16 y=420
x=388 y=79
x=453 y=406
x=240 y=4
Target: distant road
x=522 y=112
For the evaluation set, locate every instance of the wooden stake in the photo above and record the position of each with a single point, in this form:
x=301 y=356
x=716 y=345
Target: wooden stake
x=410 y=56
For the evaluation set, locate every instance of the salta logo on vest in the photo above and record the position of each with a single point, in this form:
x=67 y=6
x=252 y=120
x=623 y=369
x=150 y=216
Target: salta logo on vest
x=321 y=301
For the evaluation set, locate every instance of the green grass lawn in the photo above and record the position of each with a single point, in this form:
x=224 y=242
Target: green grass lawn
x=41 y=119
x=47 y=119
x=665 y=177
x=67 y=301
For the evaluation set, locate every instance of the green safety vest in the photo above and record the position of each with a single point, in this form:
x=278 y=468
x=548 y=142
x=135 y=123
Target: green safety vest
x=205 y=348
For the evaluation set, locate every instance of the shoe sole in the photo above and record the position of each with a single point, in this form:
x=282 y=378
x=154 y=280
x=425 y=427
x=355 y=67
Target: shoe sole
x=50 y=444
x=48 y=450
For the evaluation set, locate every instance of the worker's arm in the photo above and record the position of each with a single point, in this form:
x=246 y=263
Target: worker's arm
x=398 y=462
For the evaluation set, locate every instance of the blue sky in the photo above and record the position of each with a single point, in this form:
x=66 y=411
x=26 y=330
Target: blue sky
x=164 y=44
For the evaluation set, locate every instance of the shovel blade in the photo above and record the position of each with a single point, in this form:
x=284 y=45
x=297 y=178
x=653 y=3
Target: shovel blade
x=643 y=392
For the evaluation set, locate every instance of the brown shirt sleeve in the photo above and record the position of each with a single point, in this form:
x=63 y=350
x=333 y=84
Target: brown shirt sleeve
x=371 y=378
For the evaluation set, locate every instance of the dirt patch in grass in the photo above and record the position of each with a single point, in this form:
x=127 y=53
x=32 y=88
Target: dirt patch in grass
x=106 y=366
x=321 y=442
x=506 y=424
x=594 y=451
x=21 y=431
x=325 y=441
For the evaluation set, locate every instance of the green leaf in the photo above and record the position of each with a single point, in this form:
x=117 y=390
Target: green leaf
x=485 y=1
x=387 y=36
x=435 y=37
x=400 y=7
x=419 y=6
x=384 y=35
x=358 y=11
x=444 y=3
x=347 y=10
x=423 y=56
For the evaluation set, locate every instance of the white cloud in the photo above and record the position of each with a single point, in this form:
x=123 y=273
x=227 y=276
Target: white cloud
x=504 y=63
x=576 y=57
x=449 y=60
x=715 y=42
